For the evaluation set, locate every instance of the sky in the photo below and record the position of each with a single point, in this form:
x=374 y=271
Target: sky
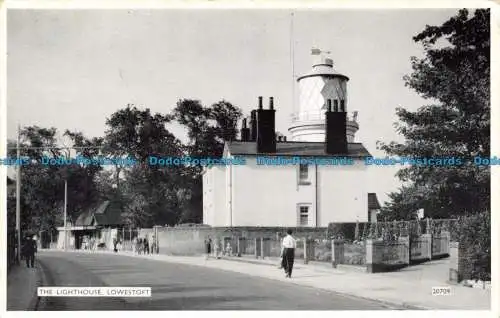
x=71 y=69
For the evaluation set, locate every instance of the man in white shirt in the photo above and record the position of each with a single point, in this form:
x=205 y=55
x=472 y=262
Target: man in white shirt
x=289 y=244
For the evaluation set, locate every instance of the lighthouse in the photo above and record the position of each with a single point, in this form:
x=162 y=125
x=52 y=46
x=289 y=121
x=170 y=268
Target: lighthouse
x=316 y=87
x=305 y=191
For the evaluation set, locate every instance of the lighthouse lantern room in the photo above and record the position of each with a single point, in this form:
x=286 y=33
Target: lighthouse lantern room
x=322 y=83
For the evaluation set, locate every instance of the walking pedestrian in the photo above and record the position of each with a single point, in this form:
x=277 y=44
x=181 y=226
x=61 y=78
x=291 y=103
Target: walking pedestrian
x=154 y=249
x=140 y=245
x=229 y=250
x=208 y=247
x=289 y=244
x=115 y=243
x=217 y=248
x=134 y=245
x=29 y=252
x=146 y=245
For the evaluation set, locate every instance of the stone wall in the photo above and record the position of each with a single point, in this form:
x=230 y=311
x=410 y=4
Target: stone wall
x=190 y=240
x=461 y=264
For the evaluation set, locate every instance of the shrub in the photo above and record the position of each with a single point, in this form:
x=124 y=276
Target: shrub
x=323 y=256
x=474 y=237
x=346 y=231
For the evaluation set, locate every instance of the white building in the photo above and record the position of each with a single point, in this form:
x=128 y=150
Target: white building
x=294 y=194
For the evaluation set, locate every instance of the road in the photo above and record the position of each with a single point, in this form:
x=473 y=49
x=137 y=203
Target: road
x=180 y=287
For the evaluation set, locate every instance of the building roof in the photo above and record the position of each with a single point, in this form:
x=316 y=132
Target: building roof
x=295 y=148
x=107 y=213
x=86 y=218
x=323 y=70
x=373 y=203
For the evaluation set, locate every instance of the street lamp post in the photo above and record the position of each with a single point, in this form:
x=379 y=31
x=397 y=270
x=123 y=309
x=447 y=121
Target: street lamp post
x=18 y=199
x=65 y=213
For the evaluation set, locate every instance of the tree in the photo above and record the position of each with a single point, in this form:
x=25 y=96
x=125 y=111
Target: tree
x=455 y=76
x=149 y=192
x=42 y=186
x=208 y=129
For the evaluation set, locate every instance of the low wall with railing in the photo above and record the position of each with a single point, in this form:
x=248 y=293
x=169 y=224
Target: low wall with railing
x=191 y=240
x=382 y=256
x=441 y=245
x=420 y=249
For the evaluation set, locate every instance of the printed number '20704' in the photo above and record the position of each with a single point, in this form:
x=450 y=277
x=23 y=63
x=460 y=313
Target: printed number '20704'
x=441 y=291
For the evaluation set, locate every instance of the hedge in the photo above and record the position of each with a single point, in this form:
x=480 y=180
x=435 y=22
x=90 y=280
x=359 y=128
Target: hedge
x=474 y=237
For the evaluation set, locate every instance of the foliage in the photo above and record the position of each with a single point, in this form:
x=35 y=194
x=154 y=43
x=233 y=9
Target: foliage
x=455 y=76
x=208 y=128
x=475 y=242
x=148 y=192
x=344 y=231
x=42 y=186
x=155 y=195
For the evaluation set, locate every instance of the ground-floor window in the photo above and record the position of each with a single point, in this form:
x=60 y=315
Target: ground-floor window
x=303 y=215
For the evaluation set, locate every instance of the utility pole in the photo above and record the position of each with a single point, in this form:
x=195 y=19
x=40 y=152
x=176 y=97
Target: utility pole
x=65 y=213
x=18 y=197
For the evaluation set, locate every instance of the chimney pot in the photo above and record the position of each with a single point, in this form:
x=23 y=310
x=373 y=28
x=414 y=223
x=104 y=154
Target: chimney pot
x=342 y=106
x=329 y=105
x=260 y=102
x=271 y=103
x=244 y=123
x=284 y=138
x=336 y=105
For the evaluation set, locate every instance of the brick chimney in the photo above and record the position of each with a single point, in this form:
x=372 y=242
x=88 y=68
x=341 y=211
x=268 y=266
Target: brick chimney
x=245 y=131
x=266 y=133
x=336 y=123
x=253 y=125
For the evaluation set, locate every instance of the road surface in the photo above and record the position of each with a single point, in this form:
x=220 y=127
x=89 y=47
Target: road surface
x=180 y=287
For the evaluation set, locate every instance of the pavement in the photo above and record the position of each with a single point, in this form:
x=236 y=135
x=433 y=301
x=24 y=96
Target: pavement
x=410 y=288
x=30 y=278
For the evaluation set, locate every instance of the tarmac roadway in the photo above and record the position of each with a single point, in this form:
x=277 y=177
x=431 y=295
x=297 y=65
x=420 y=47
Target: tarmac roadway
x=180 y=287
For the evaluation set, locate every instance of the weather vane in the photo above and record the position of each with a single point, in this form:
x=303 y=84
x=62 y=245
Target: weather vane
x=316 y=51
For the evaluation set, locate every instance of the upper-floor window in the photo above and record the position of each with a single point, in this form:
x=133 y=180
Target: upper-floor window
x=304 y=174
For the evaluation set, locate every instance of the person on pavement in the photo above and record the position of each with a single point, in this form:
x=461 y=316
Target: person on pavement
x=208 y=247
x=139 y=246
x=146 y=245
x=29 y=252
x=154 y=248
x=289 y=244
x=115 y=243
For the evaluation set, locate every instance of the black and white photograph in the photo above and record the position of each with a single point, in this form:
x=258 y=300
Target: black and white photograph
x=288 y=158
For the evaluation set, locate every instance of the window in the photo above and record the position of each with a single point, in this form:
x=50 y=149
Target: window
x=303 y=216
x=304 y=174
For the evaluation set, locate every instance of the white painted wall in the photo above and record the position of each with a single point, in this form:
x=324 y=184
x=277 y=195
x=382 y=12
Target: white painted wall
x=214 y=196
x=262 y=195
x=269 y=195
x=343 y=196
x=311 y=133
